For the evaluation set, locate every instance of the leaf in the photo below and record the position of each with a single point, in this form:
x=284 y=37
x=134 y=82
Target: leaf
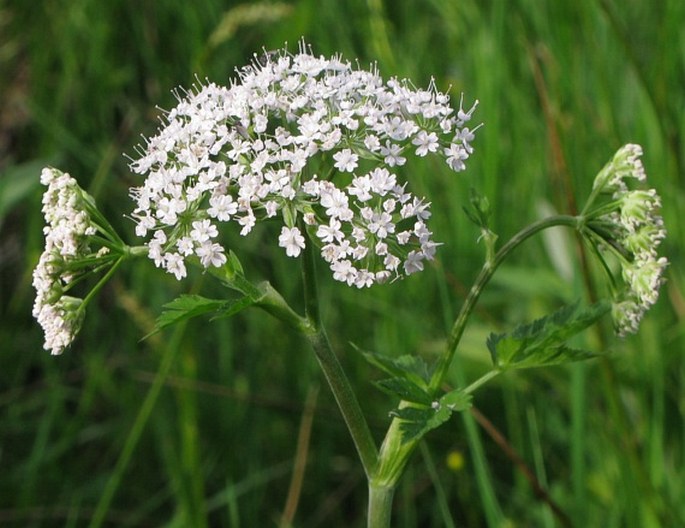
x=233 y=263
x=542 y=342
x=405 y=390
x=233 y=307
x=411 y=368
x=419 y=420
x=188 y=306
x=456 y=400
x=479 y=210
x=231 y=274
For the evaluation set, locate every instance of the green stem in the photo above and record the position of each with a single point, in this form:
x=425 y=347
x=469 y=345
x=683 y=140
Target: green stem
x=395 y=452
x=333 y=371
x=346 y=400
x=126 y=253
x=486 y=273
x=481 y=381
x=102 y=282
x=380 y=506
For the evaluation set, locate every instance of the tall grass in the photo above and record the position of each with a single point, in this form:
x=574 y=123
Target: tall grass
x=107 y=432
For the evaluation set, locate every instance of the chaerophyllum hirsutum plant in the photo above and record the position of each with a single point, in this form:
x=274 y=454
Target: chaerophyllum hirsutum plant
x=318 y=145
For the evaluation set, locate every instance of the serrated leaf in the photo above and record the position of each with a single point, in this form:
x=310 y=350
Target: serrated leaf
x=187 y=306
x=456 y=400
x=404 y=389
x=233 y=307
x=419 y=420
x=555 y=356
x=542 y=342
x=408 y=367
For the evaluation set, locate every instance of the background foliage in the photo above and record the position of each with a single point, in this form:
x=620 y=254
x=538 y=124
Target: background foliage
x=562 y=84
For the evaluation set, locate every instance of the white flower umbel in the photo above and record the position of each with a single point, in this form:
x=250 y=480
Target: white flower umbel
x=300 y=137
x=627 y=224
x=77 y=242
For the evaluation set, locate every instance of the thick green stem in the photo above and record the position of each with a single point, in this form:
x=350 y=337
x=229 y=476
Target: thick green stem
x=333 y=371
x=380 y=506
x=346 y=400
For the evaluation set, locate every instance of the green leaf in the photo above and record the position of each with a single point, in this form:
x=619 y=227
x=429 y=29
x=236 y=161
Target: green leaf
x=456 y=400
x=412 y=368
x=405 y=390
x=233 y=263
x=543 y=342
x=479 y=210
x=188 y=306
x=419 y=420
x=233 y=307
x=231 y=275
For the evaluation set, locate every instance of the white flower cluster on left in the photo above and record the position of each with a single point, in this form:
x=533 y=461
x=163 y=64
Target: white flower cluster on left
x=67 y=233
x=311 y=140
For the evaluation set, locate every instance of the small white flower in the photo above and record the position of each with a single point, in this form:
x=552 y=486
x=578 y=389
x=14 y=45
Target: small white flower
x=271 y=207
x=413 y=263
x=345 y=160
x=211 y=254
x=248 y=222
x=330 y=232
x=456 y=155
x=344 y=271
x=392 y=152
x=462 y=115
x=336 y=203
x=222 y=207
x=372 y=143
x=203 y=230
x=175 y=264
x=292 y=240
x=185 y=246
x=361 y=187
x=425 y=142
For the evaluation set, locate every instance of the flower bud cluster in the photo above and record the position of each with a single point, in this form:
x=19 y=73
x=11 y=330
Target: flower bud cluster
x=630 y=226
x=67 y=232
x=312 y=140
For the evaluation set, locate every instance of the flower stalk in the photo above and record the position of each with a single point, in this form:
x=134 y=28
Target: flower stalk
x=486 y=273
x=335 y=375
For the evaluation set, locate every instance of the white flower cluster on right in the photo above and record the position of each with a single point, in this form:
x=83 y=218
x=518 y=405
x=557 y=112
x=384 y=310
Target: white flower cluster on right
x=630 y=226
x=312 y=140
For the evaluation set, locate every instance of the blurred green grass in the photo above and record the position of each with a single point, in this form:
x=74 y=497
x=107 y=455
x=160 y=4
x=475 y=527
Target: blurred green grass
x=561 y=86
